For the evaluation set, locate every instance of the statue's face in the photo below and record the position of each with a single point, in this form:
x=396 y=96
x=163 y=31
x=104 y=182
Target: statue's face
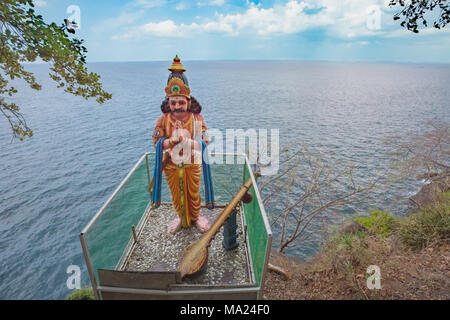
x=178 y=104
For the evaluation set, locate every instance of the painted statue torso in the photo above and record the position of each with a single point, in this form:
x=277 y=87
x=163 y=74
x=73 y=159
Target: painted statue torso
x=167 y=126
x=183 y=173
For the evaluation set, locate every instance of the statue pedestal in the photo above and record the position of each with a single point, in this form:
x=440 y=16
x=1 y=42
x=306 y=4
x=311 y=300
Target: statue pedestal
x=230 y=237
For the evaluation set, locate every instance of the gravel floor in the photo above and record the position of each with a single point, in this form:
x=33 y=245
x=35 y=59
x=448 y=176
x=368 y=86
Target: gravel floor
x=158 y=250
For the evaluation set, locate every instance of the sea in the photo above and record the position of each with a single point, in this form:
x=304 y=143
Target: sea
x=52 y=184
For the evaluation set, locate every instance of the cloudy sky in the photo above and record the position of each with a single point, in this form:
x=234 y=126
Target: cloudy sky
x=336 y=30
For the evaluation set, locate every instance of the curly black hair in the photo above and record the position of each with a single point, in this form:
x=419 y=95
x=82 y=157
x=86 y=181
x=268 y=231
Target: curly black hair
x=194 y=108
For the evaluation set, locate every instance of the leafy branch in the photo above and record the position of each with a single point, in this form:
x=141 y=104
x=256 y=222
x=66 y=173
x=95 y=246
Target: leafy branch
x=413 y=13
x=26 y=37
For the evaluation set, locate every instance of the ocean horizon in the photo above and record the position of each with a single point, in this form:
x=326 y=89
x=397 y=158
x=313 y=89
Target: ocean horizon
x=164 y=60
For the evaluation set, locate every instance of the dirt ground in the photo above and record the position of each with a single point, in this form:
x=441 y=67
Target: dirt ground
x=405 y=275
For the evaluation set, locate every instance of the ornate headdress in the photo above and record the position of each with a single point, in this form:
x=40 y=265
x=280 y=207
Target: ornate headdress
x=176 y=65
x=177 y=85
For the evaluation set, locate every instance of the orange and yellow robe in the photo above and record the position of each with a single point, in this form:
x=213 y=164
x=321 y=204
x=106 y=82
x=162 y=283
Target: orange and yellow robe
x=183 y=179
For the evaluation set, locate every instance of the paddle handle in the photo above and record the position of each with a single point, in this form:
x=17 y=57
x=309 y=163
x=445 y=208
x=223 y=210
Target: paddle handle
x=222 y=218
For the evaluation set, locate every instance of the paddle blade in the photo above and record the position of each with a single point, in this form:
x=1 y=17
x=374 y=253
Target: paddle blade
x=193 y=259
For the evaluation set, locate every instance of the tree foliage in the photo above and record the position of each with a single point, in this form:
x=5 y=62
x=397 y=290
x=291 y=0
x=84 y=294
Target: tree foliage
x=26 y=37
x=413 y=13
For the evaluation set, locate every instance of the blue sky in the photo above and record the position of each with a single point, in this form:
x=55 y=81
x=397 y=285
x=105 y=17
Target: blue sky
x=335 y=30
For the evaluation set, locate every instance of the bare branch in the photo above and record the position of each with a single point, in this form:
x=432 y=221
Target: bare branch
x=308 y=188
x=425 y=155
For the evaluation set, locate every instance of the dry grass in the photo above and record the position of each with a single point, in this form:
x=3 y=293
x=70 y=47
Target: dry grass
x=427 y=226
x=413 y=255
x=405 y=274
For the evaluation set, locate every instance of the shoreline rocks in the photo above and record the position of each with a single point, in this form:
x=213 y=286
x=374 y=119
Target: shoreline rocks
x=429 y=193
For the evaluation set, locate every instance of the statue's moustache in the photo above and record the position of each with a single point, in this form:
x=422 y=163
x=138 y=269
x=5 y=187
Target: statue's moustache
x=178 y=110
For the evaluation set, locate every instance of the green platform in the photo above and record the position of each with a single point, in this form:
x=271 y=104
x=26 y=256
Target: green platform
x=108 y=235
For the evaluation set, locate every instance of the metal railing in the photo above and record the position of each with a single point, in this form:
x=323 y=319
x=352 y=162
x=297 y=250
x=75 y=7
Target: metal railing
x=137 y=170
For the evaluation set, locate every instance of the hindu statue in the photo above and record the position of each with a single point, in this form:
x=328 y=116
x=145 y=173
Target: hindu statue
x=180 y=138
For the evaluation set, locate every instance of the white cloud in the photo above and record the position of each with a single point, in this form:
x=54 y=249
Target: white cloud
x=125 y=18
x=180 y=6
x=40 y=3
x=169 y=29
x=147 y=4
x=130 y=13
x=346 y=19
x=217 y=2
x=430 y=31
x=211 y=3
x=288 y=18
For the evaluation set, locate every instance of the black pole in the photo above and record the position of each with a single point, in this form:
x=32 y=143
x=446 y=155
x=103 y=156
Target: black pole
x=230 y=236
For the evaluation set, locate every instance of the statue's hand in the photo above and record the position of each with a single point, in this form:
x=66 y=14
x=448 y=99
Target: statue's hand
x=178 y=125
x=175 y=138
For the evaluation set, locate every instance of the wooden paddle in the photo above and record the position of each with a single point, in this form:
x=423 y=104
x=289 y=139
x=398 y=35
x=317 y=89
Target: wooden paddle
x=195 y=255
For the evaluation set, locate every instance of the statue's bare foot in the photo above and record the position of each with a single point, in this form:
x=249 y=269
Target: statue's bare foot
x=202 y=224
x=174 y=226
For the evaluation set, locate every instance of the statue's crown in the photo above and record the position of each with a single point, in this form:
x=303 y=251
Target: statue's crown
x=176 y=65
x=177 y=84
x=176 y=87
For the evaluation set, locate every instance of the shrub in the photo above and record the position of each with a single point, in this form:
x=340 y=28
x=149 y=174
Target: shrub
x=379 y=222
x=445 y=197
x=344 y=251
x=427 y=226
x=82 y=294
